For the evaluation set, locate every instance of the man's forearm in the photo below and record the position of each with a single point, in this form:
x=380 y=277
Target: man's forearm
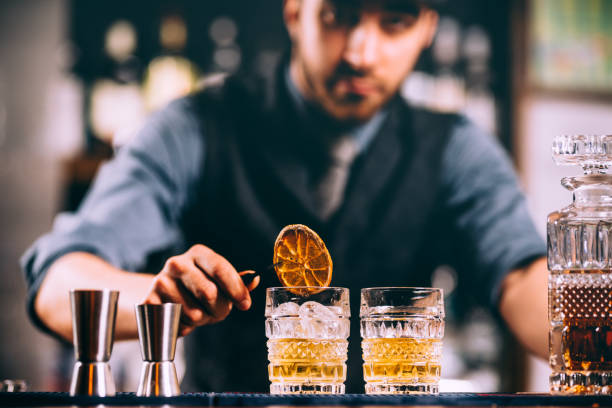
x=524 y=306
x=80 y=270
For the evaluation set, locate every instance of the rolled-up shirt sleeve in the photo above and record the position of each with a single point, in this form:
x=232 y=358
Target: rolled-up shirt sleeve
x=134 y=205
x=495 y=230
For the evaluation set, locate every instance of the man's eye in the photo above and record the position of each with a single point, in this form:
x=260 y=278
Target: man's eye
x=328 y=17
x=338 y=17
x=395 y=24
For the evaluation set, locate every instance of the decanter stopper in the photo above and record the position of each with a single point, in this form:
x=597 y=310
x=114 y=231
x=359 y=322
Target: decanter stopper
x=591 y=152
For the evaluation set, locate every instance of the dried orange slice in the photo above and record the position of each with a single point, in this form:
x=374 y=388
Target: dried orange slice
x=301 y=259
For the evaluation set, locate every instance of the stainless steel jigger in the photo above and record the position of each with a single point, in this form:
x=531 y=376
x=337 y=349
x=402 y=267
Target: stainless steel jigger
x=93 y=329
x=158 y=331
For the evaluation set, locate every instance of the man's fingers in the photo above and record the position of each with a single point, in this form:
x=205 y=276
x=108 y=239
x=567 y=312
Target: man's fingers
x=194 y=313
x=218 y=269
x=205 y=284
x=192 y=283
x=207 y=294
x=169 y=290
x=152 y=299
x=254 y=283
x=249 y=278
x=251 y=284
x=185 y=330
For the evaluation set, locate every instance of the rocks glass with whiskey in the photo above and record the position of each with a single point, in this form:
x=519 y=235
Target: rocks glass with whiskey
x=402 y=330
x=307 y=330
x=580 y=263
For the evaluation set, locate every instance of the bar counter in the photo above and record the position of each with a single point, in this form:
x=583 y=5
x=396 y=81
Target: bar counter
x=57 y=399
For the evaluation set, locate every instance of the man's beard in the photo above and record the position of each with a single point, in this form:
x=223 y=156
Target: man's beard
x=350 y=108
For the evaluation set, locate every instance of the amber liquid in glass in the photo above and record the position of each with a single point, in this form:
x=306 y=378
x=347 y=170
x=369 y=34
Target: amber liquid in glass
x=302 y=362
x=401 y=360
x=581 y=328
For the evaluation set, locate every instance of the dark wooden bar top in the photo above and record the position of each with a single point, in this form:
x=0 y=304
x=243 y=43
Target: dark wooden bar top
x=55 y=399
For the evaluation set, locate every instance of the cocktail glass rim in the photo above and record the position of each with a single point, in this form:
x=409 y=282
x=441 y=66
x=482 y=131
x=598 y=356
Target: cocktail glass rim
x=342 y=292
x=366 y=311
x=273 y=288
x=432 y=289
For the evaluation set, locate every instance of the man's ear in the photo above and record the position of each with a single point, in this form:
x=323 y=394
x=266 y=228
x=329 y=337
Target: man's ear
x=291 y=15
x=431 y=25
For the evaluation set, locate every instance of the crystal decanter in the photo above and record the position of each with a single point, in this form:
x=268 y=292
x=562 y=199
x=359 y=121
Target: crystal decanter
x=580 y=263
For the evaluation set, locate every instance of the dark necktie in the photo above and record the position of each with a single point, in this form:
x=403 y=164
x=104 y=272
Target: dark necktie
x=329 y=190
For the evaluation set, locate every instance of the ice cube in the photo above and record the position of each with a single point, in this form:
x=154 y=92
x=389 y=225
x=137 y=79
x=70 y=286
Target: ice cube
x=314 y=310
x=284 y=321
x=338 y=310
x=287 y=309
x=289 y=327
x=319 y=321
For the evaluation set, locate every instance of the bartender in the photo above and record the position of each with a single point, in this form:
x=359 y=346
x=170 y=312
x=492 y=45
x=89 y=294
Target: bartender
x=204 y=188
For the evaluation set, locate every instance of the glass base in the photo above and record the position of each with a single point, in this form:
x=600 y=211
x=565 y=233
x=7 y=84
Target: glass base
x=307 y=388
x=402 y=388
x=581 y=382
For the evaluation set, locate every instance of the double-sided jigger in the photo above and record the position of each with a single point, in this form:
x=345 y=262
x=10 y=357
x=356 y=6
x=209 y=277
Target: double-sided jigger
x=93 y=329
x=157 y=332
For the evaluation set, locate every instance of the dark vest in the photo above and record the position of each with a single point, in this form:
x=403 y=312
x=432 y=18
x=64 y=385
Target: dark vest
x=255 y=181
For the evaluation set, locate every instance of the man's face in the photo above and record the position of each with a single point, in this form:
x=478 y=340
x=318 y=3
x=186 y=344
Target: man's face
x=351 y=56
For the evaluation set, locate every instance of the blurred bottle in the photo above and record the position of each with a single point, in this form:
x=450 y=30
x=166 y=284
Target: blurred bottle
x=227 y=56
x=479 y=104
x=116 y=102
x=170 y=75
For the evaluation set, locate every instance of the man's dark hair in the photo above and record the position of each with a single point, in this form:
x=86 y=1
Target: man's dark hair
x=405 y=6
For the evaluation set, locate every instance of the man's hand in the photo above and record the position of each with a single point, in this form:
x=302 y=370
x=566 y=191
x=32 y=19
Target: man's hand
x=205 y=284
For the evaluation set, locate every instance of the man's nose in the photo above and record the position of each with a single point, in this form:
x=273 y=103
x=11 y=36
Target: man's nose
x=363 y=46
